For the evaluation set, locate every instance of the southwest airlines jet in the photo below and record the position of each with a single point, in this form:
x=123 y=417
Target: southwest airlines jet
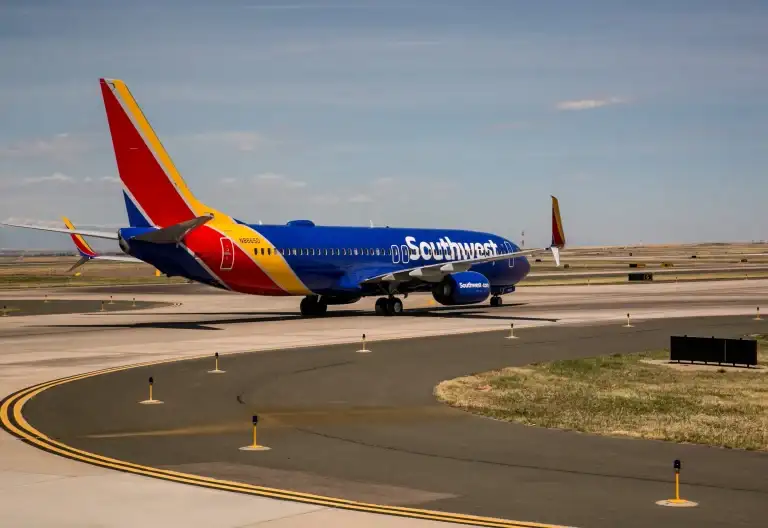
x=173 y=231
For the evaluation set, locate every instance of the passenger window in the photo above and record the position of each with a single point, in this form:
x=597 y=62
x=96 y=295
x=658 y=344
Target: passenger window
x=262 y=251
x=378 y=252
x=312 y=252
x=269 y=251
x=293 y=251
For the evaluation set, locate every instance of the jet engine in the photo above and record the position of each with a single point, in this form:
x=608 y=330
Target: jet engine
x=466 y=287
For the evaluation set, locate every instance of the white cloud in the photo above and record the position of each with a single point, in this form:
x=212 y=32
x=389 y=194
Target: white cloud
x=229 y=181
x=360 y=198
x=277 y=180
x=56 y=177
x=59 y=146
x=242 y=141
x=325 y=199
x=109 y=179
x=588 y=104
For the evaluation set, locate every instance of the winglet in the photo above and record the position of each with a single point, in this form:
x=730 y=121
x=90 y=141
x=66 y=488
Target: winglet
x=558 y=234
x=82 y=246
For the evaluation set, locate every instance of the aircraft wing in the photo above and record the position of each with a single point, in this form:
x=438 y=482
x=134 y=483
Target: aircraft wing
x=435 y=272
x=95 y=234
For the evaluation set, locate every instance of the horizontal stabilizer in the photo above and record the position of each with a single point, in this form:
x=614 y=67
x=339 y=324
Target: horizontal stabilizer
x=96 y=234
x=175 y=233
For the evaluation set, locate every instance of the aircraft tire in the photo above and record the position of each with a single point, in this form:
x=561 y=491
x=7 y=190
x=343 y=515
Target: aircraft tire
x=381 y=306
x=312 y=306
x=394 y=306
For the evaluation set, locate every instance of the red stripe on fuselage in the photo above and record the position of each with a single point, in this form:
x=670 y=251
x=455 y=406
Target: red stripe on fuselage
x=140 y=171
x=244 y=277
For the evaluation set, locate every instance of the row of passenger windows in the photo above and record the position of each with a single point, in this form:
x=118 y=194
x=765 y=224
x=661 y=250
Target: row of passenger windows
x=346 y=251
x=324 y=251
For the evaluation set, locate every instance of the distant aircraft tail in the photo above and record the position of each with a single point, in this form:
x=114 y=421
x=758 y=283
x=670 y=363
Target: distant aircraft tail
x=558 y=234
x=154 y=191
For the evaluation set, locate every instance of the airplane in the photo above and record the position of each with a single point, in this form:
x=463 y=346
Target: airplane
x=170 y=229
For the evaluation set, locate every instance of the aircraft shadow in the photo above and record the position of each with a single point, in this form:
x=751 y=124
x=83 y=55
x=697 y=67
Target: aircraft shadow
x=266 y=317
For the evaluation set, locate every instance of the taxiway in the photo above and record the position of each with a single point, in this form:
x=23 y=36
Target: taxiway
x=40 y=348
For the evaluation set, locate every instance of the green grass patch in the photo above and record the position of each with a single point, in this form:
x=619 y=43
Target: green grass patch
x=625 y=395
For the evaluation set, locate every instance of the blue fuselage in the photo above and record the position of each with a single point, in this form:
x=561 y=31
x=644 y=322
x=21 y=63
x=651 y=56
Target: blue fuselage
x=334 y=261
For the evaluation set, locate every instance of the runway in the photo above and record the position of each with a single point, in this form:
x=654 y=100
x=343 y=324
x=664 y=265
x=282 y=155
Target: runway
x=426 y=455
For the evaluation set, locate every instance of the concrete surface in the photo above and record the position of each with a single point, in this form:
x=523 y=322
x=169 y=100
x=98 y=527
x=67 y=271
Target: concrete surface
x=45 y=347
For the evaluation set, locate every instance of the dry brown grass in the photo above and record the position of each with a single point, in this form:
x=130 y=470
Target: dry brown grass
x=622 y=395
x=33 y=272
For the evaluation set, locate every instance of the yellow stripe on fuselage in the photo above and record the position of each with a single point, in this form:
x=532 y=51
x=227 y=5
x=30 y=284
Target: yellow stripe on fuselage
x=274 y=265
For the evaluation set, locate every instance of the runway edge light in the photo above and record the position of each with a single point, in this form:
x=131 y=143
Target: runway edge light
x=216 y=369
x=151 y=400
x=255 y=446
x=677 y=501
x=363 y=350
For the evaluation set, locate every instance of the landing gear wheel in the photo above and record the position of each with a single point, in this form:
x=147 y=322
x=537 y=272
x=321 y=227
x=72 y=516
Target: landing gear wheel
x=312 y=306
x=496 y=301
x=381 y=306
x=394 y=306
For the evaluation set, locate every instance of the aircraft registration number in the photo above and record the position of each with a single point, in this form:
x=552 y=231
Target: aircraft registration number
x=250 y=241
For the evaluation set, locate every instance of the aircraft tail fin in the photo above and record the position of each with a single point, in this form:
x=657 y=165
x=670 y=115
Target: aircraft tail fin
x=154 y=191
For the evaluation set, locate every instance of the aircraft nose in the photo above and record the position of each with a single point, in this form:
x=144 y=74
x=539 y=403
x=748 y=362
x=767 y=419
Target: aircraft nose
x=525 y=265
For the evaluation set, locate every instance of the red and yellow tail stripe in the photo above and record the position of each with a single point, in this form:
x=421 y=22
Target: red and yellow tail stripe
x=82 y=246
x=558 y=235
x=159 y=193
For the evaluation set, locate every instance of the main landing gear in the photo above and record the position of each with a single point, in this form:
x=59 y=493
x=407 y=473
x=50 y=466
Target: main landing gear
x=313 y=305
x=389 y=306
x=496 y=301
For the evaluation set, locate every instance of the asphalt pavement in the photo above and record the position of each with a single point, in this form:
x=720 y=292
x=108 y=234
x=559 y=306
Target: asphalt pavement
x=367 y=427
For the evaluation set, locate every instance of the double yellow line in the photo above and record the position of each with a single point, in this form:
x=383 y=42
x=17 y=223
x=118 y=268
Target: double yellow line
x=12 y=420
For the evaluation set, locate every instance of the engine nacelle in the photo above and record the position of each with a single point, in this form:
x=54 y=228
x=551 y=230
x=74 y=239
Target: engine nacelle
x=466 y=287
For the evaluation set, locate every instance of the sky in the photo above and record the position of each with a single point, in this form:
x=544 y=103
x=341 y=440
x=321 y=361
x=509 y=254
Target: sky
x=648 y=120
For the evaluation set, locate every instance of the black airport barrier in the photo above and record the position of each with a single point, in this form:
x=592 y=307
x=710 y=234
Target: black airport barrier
x=713 y=350
x=635 y=277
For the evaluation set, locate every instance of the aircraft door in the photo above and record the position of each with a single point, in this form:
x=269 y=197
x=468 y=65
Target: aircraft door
x=509 y=250
x=395 y=254
x=227 y=254
x=405 y=255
